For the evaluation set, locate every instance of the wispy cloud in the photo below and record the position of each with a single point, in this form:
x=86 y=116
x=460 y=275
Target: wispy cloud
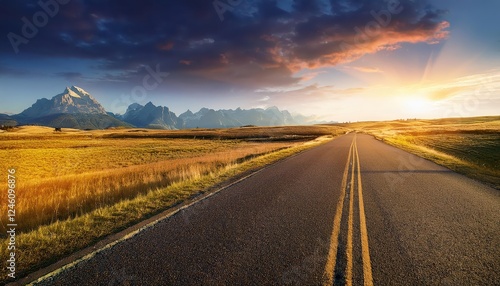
x=265 y=98
x=444 y=93
x=310 y=75
x=4 y=70
x=477 y=85
x=310 y=92
x=366 y=69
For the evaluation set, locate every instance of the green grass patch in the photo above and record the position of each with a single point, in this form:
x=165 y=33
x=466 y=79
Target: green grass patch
x=470 y=146
x=474 y=155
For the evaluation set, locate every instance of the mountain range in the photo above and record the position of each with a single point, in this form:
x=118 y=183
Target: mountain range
x=76 y=108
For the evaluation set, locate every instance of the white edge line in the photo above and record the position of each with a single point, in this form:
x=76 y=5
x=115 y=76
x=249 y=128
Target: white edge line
x=149 y=225
x=135 y=232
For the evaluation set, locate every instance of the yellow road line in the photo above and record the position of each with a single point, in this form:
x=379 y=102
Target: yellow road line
x=334 y=239
x=328 y=275
x=348 y=279
x=365 y=250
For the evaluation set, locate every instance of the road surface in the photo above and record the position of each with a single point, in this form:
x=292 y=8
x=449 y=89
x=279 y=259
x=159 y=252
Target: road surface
x=354 y=211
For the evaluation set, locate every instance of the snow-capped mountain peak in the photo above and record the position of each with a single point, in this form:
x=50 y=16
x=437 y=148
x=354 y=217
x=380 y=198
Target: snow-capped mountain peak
x=72 y=93
x=78 y=92
x=72 y=100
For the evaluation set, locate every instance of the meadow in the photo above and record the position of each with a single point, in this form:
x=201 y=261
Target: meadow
x=76 y=187
x=470 y=146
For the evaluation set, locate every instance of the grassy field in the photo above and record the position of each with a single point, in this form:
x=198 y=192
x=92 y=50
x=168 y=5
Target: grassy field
x=76 y=187
x=470 y=146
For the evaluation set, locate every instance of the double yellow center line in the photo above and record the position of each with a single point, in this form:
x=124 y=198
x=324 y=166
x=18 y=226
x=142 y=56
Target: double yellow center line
x=328 y=275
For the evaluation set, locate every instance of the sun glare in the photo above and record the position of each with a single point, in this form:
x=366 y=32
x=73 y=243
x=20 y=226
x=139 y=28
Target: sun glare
x=417 y=105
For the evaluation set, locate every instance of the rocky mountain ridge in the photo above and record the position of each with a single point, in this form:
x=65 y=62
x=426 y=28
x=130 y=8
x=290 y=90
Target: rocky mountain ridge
x=76 y=108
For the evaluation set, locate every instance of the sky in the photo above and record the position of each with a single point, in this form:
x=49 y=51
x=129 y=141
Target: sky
x=333 y=60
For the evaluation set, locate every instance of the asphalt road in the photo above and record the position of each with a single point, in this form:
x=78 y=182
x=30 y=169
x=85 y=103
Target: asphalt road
x=351 y=212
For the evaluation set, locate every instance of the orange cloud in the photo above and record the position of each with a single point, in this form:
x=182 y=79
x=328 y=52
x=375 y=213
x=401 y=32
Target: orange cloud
x=447 y=92
x=166 y=46
x=349 y=47
x=185 y=62
x=367 y=69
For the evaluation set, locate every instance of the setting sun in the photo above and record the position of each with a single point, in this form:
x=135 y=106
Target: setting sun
x=417 y=105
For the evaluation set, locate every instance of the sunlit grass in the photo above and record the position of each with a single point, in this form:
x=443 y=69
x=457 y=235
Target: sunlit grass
x=56 y=183
x=470 y=146
x=54 y=157
x=475 y=155
x=75 y=188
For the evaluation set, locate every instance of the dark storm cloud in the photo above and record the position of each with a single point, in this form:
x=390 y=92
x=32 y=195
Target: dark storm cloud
x=257 y=44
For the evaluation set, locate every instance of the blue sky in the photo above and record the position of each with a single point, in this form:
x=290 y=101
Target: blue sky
x=429 y=60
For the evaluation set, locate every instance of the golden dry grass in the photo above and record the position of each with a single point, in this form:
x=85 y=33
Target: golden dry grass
x=472 y=125
x=55 y=157
x=62 y=178
x=470 y=146
x=77 y=187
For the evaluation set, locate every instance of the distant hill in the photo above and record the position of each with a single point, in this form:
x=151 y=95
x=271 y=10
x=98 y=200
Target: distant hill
x=7 y=120
x=81 y=121
x=150 y=116
x=209 y=118
x=160 y=117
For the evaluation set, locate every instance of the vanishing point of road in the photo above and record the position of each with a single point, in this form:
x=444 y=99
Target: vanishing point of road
x=354 y=211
